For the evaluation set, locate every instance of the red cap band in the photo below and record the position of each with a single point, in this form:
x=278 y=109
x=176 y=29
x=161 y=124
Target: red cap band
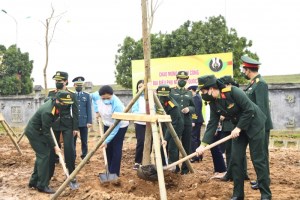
x=250 y=65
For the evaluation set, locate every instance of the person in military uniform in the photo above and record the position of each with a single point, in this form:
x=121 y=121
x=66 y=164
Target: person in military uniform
x=184 y=99
x=249 y=122
x=227 y=127
x=40 y=139
x=171 y=108
x=198 y=120
x=257 y=91
x=85 y=115
x=66 y=125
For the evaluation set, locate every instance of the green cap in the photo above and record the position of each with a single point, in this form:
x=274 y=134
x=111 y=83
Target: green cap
x=227 y=79
x=249 y=62
x=78 y=80
x=205 y=82
x=163 y=90
x=60 y=76
x=182 y=74
x=64 y=97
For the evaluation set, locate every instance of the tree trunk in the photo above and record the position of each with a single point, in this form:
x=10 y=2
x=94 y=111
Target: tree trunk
x=147 y=79
x=47 y=57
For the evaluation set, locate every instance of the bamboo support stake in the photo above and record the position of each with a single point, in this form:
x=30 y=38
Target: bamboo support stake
x=11 y=137
x=157 y=154
x=93 y=151
x=174 y=136
x=20 y=138
x=11 y=130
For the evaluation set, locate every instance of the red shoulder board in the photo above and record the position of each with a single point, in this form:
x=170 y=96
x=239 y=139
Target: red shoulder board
x=223 y=96
x=166 y=103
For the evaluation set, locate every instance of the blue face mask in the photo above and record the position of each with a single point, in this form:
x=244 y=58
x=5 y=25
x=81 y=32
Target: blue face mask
x=107 y=101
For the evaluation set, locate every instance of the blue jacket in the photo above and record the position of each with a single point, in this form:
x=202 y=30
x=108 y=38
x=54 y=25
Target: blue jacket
x=95 y=97
x=84 y=109
x=197 y=116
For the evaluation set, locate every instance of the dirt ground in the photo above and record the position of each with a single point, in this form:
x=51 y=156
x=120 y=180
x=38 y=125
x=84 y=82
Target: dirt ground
x=15 y=171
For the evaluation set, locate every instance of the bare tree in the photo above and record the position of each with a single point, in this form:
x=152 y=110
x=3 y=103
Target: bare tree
x=48 y=39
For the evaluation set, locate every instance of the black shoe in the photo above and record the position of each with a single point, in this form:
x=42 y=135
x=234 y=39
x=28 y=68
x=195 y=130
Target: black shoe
x=177 y=170
x=255 y=187
x=237 y=198
x=46 y=190
x=31 y=185
x=225 y=179
x=193 y=160
x=184 y=172
x=253 y=182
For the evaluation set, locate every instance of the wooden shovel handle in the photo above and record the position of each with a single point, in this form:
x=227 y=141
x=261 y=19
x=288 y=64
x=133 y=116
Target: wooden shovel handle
x=194 y=154
x=103 y=149
x=164 y=146
x=61 y=160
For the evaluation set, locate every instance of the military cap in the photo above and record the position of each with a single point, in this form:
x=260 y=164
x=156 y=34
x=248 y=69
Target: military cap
x=205 y=82
x=193 y=87
x=60 y=76
x=182 y=74
x=163 y=90
x=249 y=62
x=64 y=97
x=78 y=80
x=229 y=80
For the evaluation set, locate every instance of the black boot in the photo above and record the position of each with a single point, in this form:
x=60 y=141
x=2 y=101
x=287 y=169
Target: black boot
x=46 y=190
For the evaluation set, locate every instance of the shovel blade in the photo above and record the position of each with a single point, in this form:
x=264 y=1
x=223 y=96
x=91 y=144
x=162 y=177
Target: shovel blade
x=106 y=177
x=74 y=185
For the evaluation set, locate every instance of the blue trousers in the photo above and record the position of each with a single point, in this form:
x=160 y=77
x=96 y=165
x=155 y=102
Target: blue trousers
x=140 y=138
x=114 y=151
x=218 y=160
x=84 y=143
x=195 y=142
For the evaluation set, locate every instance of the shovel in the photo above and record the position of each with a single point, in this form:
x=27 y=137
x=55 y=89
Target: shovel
x=105 y=177
x=164 y=146
x=195 y=153
x=73 y=185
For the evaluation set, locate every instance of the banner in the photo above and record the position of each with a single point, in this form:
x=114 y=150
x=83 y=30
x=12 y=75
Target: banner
x=164 y=70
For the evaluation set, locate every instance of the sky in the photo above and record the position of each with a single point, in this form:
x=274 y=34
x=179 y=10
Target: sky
x=86 y=38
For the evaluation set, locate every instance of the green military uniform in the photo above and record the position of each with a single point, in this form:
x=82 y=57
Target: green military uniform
x=171 y=108
x=184 y=98
x=39 y=136
x=257 y=91
x=244 y=114
x=65 y=124
x=227 y=127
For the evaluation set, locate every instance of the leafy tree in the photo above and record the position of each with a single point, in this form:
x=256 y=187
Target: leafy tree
x=191 y=38
x=15 y=71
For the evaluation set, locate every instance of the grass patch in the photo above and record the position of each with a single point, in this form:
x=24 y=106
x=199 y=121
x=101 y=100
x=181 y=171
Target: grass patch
x=292 y=78
x=285 y=134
